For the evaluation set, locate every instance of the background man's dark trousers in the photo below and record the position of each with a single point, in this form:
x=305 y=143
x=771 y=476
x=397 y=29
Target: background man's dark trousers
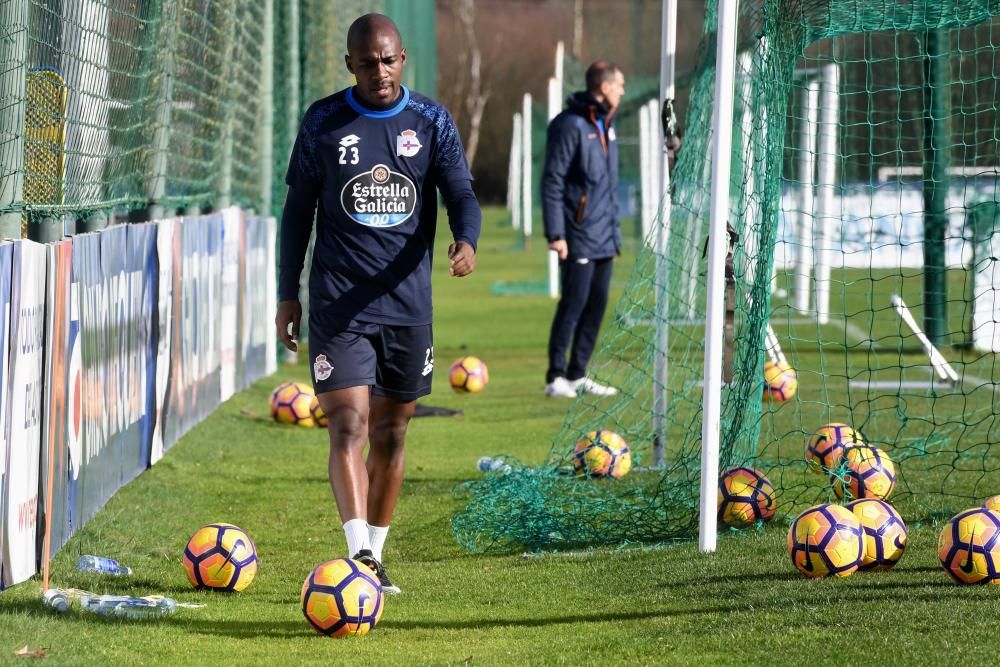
x=578 y=316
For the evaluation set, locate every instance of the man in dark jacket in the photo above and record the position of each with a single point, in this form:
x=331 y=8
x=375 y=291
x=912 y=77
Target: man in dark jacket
x=580 y=211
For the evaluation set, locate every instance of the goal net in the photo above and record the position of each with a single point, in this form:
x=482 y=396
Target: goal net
x=864 y=175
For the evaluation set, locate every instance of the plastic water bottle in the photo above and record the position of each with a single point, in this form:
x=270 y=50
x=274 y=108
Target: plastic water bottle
x=123 y=606
x=493 y=464
x=56 y=599
x=102 y=565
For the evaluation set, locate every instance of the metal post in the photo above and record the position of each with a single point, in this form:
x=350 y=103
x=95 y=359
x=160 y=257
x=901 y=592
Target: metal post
x=825 y=183
x=718 y=241
x=156 y=185
x=936 y=134
x=224 y=182
x=13 y=75
x=807 y=194
x=526 y=169
x=516 y=163
x=554 y=107
x=294 y=69
x=668 y=27
x=645 y=178
x=267 y=111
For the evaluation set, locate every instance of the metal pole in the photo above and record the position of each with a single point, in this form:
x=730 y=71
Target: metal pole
x=516 y=162
x=526 y=169
x=267 y=111
x=807 y=194
x=294 y=69
x=936 y=134
x=224 y=182
x=156 y=185
x=661 y=342
x=13 y=75
x=826 y=182
x=554 y=107
x=645 y=181
x=718 y=242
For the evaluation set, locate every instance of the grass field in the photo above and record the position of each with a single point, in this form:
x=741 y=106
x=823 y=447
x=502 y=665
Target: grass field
x=664 y=605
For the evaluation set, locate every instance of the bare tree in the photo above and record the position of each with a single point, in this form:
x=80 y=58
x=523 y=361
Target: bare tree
x=476 y=96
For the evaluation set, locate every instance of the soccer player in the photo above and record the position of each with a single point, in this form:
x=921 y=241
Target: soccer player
x=371 y=158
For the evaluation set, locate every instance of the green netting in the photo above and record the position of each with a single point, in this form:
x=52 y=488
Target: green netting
x=912 y=208
x=112 y=106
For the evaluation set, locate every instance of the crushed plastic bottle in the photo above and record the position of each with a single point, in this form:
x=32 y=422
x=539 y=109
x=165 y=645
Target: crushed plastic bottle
x=124 y=606
x=493 y=464
x=101 y=565
x=56 y=599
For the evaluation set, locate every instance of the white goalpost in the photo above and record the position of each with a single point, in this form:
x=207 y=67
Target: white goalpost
x=806 y=168
x=722 y=133
x=554 y=107
x=668 y=38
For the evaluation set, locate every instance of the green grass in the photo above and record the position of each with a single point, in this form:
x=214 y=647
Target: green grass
x=669 y=605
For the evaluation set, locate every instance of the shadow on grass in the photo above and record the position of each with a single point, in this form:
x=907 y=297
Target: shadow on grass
x=886 y=580
x=249 y=629
x=489 y=623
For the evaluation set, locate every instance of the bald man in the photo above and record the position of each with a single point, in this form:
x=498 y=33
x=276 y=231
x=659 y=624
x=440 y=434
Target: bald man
x=368 y=162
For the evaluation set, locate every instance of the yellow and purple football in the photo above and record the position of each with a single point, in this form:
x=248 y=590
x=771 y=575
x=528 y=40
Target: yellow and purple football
x=291 y=403
x=342 y=597
x=885 y=533
x=602 y=454
x=220 y=557
x=468 y=375
x=781 y=382
x=867 y=472
x=969 y=547
x=745 y=496
x=317 y=413
x=826 y=540
x=825 y=448
x=992 y=503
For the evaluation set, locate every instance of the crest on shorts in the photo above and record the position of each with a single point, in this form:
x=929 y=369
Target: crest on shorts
x=322 y=368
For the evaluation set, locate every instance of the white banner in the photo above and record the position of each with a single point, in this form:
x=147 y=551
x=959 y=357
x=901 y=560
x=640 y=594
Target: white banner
x=6 y=255
x=165 y=253
x=272 y=297
x=232 y=240
x=24 y=410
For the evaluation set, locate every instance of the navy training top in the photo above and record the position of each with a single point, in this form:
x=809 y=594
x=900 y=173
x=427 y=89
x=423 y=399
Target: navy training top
x=373 y=174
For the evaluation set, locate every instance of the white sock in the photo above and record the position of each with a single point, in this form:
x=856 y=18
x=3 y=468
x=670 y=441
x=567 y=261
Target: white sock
x=376 y=534
x=356 y=531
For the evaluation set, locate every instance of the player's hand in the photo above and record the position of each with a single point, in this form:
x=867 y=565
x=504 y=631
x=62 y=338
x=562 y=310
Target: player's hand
x=560 y=247
x=463 y=259
x=289 y=313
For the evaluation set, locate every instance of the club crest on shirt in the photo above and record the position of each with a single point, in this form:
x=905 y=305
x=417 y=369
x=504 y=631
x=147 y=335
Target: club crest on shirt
x=379 y=198
x=322 y=368
x=407 y=144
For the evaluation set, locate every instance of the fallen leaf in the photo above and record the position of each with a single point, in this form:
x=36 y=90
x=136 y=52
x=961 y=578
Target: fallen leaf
x=247 y=411
x=25 y=652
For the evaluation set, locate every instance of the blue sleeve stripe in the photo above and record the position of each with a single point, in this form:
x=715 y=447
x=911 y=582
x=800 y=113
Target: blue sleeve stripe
x=385 y=113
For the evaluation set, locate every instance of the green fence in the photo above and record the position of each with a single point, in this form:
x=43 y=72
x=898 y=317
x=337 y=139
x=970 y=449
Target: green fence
x=142 y=108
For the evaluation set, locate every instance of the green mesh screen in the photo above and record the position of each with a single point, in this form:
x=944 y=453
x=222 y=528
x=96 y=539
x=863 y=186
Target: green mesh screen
x=113 y=105
x=913 y=213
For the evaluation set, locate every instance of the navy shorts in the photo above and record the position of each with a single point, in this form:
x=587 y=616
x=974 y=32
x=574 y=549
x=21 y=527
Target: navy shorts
x=396 y=361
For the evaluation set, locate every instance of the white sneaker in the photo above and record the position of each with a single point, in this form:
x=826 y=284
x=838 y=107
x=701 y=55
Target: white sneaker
x=560 y=388
x=592 y=387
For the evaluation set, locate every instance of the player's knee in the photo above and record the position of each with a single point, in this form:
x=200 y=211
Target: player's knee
x=391 y=433
x=348 y=426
